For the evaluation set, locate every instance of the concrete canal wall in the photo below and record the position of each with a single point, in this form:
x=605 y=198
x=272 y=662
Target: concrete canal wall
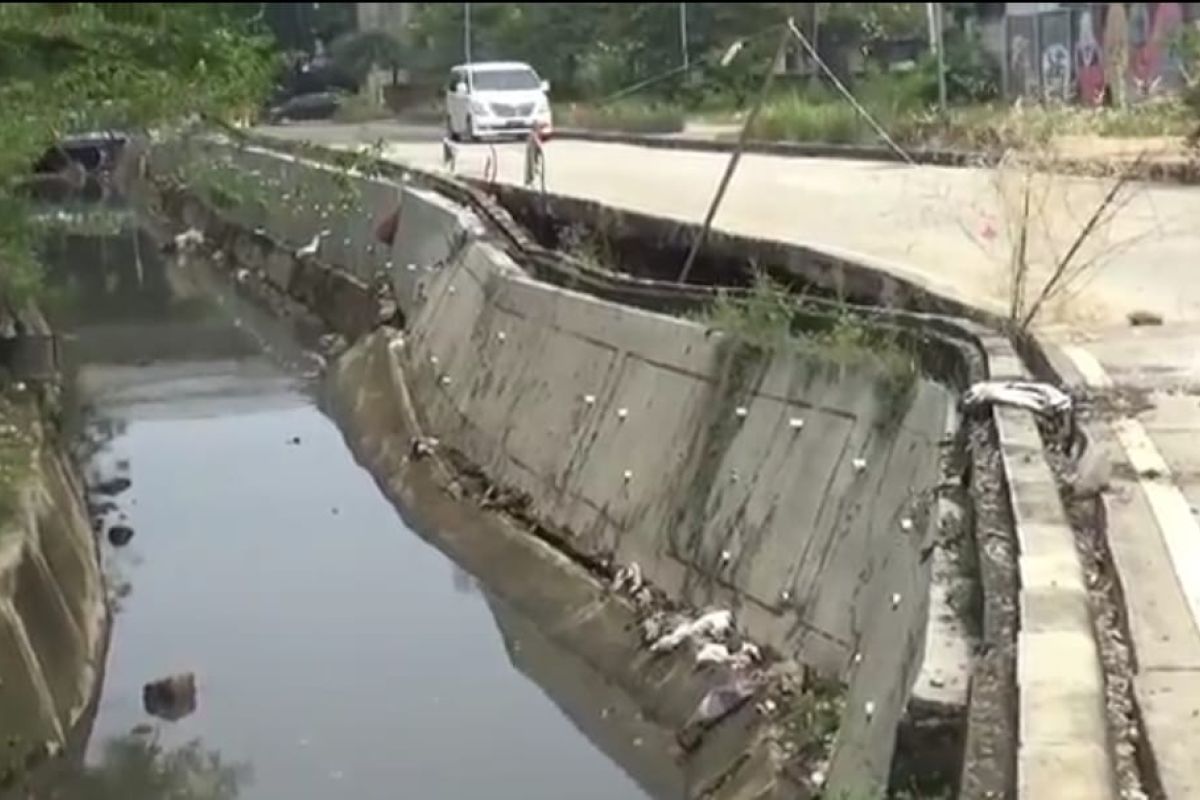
x=53 y=612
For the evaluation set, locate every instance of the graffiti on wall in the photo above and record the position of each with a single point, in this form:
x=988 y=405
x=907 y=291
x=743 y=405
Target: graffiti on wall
x=1115 y=52
x=1054 y=40
x=1089 y=66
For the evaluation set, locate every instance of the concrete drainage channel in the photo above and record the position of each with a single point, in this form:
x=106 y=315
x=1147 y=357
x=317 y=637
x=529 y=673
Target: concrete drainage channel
x=913 y=587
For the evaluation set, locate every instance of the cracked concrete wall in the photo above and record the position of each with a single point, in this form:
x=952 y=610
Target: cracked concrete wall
x=622 y=426
x=53 y=613
x=619 y=426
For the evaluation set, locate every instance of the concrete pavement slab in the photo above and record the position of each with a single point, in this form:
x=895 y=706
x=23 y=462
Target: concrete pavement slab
x=1170 y=707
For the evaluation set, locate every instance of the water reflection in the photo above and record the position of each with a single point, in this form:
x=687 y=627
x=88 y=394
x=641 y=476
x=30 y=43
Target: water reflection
x=138 y=767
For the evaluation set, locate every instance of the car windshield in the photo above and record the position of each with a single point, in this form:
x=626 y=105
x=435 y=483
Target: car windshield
x=504 y=80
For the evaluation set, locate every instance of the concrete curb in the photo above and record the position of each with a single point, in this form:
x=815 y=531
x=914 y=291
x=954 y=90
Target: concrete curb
x=1063 y=748
x=1181 y=172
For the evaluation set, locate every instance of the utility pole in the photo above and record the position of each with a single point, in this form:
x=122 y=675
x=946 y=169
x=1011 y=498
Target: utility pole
x=731 y=167
x=467 y=32
x=683 y=40
x=937 y=43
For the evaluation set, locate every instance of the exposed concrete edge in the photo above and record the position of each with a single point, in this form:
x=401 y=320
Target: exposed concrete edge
x=1179 y=172
x=1064 y=749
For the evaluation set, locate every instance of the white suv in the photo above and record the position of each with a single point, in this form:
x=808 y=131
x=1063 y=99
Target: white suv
x=495 y=98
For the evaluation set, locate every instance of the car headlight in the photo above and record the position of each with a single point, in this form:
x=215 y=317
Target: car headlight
x=479 y=108
x=543 y=107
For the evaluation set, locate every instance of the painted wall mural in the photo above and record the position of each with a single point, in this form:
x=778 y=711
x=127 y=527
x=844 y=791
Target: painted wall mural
x=1094 y=54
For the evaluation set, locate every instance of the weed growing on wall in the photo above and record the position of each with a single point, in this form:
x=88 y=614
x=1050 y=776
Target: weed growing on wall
x=229 y=184
x=17 y=446
x=767 y=318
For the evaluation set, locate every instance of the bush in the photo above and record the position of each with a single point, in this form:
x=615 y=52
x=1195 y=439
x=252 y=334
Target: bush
x=629 y=116
x=800 y=119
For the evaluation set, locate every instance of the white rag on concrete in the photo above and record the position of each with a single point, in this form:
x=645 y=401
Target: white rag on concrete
x=1039 y=397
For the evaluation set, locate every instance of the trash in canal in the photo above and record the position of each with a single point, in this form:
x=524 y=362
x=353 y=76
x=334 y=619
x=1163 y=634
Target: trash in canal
x=294 y=440
x=112 y=486
x=712 y=625
x=171 y=698
x=120 y=535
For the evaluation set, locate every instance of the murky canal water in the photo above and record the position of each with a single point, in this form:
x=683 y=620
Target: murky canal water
x=336 y=653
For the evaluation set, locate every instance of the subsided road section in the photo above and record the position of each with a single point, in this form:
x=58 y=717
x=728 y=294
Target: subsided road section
x=945 y=227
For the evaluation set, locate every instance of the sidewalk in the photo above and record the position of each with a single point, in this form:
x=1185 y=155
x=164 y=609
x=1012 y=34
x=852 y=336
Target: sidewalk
x=1147 y=424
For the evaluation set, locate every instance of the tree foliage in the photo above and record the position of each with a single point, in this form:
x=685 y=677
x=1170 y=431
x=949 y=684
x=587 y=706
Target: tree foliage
x=591 y=49
x=74 y=67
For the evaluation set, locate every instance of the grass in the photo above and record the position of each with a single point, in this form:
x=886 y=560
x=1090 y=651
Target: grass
x=18 y=445
x=768 y=318
x=629 y=116
x=798 y=119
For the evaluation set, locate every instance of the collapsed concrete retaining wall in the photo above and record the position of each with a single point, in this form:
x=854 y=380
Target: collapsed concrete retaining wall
x=791 y=488
x=53 y=614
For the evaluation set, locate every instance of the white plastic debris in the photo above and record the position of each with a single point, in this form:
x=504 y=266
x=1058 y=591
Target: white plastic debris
x=1040 y=397
x=714 y=624
x=445 y=381
x=817 y=778
x=501 y=335
x=242 y=275
x=629 y=577
x=795 y=423
x=622 y=413
x=742 y=412
x=896 y=600
x=730 y=54
x=189 y=240
x=423 y=446
x=627 y=475
x=589 y=399
x=859 y=464
x=714 y=653
x=906 y=525
x=311 y=248
x=869 y=708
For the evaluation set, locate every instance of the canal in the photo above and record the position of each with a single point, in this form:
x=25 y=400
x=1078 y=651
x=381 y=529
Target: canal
x=335 y=652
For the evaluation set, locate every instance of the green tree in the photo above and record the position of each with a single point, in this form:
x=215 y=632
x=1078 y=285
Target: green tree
x=73 y=67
